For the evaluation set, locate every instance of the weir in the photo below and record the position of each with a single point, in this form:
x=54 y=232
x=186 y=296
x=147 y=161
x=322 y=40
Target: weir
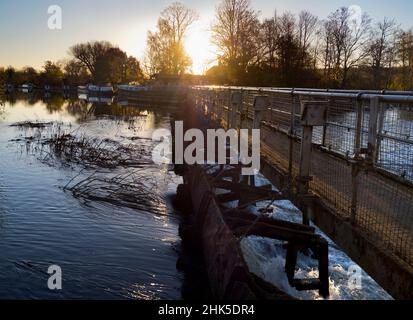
x=354 y=177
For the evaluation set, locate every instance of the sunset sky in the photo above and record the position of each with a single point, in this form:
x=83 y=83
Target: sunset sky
x=26 y=40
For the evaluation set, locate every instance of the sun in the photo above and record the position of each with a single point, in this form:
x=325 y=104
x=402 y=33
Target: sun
x=199 y=47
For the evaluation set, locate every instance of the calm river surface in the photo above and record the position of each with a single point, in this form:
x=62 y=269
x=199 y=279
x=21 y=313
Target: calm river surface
x=105 y=250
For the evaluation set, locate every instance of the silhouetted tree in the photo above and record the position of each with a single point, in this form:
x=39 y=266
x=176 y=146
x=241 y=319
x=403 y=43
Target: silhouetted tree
x=236 y=32
x=107 y=63
x=75 y=73
x=2 y=86
x=269 y=41
x=345 y=43
x=52 y=74
x=11 y=75
x=306 y=32
x=382 y=51
x=404 y=81
x=90 y=53
x=166 y=46
x=133 y=72
x=28 y=75
x=111 y=67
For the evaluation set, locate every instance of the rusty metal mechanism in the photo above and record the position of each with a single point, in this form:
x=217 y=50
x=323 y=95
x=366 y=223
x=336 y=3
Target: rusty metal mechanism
x=241 y=223
x=299 y=237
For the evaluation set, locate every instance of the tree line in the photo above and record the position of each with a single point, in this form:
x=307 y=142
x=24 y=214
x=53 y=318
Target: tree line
x=97 y=62
x=347 y=49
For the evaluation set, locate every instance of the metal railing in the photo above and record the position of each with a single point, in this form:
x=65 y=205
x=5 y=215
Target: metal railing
x=362 y=159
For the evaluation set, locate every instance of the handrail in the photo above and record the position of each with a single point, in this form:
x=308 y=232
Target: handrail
x=365 y=95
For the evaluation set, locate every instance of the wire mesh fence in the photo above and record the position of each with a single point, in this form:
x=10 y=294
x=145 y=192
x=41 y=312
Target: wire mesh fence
x=362 y=159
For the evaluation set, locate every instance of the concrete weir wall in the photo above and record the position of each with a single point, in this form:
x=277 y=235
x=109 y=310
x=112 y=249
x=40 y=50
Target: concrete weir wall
x=352 y=179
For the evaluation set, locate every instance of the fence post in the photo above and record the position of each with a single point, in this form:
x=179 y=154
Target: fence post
x=211 y=100
x=355 y=164
x=372 y=140
x=195 y=99
x=228 y=102
x=220 y=107
x=313 y=113
x=291 y=138
x=380 y=116
x=214 y=106
x=324 y=131
x=261 y=104
x=206 y=102
x=202 y=100
x=236 y=100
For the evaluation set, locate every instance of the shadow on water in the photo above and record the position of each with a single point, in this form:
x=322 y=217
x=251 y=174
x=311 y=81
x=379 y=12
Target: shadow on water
x=195 y=285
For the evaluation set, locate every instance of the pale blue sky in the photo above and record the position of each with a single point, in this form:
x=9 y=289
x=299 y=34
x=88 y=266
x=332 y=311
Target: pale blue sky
x=26 y=40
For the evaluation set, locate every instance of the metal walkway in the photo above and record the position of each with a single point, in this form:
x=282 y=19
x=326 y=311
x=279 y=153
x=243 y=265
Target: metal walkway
x=361 y=172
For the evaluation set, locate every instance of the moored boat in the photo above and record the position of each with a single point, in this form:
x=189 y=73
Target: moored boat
x=100 y=90
x=82 y=89
x=94 y=90
x=129 y=88
x=27 y=87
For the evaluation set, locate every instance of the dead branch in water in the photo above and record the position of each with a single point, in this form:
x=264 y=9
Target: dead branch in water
x=94 y=152
x=54 y=143
x=136 y=190
x=31 y=124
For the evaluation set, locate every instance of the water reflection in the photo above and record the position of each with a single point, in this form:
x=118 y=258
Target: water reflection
x=105 y=250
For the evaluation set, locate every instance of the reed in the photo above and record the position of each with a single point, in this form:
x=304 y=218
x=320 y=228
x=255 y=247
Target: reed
x=53 y=142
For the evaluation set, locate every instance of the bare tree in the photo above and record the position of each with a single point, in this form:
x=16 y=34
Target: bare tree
x=307 y=26
x=269 y=41
x=291 y=58
x=306 y=29
x=166 y=47
x=405 y=56
x=381 y=48
x=236 y=32
x=89 y=53
x=105 y=62
x=345 y=37
x=75 y=72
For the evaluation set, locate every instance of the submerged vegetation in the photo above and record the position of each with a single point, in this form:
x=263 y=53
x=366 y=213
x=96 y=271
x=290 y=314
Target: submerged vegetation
x=136 y=190
x=94 y=152
x=109 y=171
x=32 y=124
x=53 y=143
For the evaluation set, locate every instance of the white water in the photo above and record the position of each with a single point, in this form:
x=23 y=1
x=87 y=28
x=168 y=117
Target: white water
x=266 y=258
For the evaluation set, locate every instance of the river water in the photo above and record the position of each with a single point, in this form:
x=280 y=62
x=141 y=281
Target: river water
x=104 y=250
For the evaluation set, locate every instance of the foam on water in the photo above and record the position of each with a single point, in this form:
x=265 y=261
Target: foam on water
x=266 y=258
